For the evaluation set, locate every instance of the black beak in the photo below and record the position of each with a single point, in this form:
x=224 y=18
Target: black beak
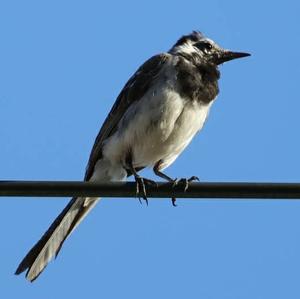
x=228 y=55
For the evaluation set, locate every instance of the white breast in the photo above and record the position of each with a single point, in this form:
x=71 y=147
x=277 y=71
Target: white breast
x=158 y=127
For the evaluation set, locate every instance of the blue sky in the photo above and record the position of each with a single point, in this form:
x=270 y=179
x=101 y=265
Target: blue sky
x=62 y=64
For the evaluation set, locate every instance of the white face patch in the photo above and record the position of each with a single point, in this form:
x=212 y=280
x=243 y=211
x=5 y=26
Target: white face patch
x=189 y=47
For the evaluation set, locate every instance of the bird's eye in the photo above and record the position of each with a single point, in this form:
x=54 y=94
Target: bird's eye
x=204 y=46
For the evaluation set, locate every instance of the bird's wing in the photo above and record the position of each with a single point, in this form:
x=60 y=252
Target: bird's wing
x=134 y=89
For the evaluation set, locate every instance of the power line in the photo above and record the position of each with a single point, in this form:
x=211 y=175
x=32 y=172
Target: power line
x=163 y=190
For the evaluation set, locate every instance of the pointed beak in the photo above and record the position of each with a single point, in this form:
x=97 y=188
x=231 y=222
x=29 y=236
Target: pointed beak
x=228 y=55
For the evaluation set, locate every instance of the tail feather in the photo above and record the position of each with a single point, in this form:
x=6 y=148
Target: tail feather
x=51 y=242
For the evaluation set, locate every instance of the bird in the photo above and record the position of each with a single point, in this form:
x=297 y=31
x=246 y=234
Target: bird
x=156 y=115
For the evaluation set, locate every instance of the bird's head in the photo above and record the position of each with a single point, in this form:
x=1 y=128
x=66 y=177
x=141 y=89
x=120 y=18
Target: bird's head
x=198 y=46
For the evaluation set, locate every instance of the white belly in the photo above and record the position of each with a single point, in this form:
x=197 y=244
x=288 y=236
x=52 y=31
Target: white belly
x=158 y=127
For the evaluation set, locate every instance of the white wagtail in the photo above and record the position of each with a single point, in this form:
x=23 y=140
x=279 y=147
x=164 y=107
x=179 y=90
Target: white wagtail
x=156 y=115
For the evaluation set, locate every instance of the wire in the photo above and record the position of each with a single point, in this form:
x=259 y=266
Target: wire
x=163 y=190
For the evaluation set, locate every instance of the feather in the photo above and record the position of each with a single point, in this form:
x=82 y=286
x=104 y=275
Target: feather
x=51 y=242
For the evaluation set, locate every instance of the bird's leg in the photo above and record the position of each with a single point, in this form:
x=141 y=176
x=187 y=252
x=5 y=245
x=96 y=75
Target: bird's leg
x=140 y=183
x=174 y=181
x=165 y=177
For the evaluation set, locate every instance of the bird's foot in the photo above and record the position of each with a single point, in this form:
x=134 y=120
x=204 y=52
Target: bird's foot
x=141 y=187
x=185 y=183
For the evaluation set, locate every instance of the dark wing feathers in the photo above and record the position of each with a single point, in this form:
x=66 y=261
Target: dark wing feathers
x=134 y=89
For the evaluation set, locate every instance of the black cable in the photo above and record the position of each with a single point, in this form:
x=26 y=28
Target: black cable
x=163 y=190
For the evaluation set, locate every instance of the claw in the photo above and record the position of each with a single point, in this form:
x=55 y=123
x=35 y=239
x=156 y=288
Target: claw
x=150 y=182
x=186 y=185
x=174 y=202
x=175 y=182
x=181 y=181
x=193 y=178
x=137 y=191
x=141 y=187
x=185 y=182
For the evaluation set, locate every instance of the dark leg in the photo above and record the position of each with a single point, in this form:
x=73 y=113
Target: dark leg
x=174 y=181
x=140 y=182
x=161 y=174
x=164 y=176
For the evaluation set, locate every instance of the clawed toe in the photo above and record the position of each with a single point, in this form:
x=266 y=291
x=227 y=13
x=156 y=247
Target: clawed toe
x=174 y=201
x=185 y=182
x=193 y=178
x=182 y=181
x=141 y=187
x=175 y=182
x=150 y=182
